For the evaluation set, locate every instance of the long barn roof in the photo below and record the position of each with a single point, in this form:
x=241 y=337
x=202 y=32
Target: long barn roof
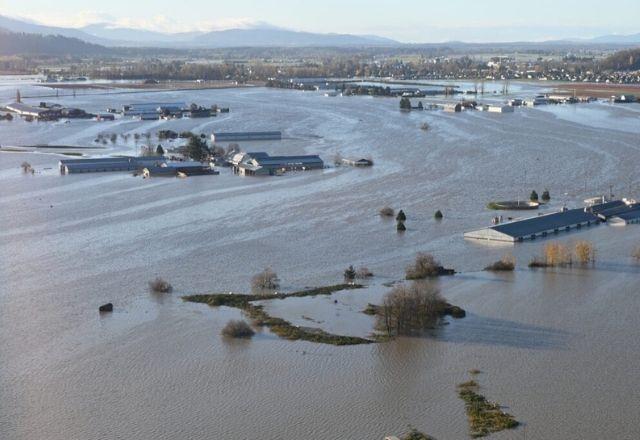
x=547 y=222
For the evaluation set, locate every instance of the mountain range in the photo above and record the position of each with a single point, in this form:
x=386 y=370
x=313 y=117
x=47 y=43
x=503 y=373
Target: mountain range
x=261 y=35
x=257 y=35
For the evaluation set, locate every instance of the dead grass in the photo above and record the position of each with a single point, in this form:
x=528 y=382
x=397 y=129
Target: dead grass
x=636 y=254
x=554 y=255
x=585 y=252
x=560 y=255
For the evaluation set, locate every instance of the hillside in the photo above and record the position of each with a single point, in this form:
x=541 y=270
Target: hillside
x=12 y=43
x=623 y=60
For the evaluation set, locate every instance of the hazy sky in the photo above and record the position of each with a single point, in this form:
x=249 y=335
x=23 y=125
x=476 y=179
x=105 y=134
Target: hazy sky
x=404 y=20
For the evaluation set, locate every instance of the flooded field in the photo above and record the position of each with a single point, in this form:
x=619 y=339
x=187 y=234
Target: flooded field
x=559 y=347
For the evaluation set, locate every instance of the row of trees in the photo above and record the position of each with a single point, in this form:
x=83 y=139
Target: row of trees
x=545 y=196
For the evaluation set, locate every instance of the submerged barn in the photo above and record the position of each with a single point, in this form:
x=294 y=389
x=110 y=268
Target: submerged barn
x=540 y=226
x=246 y=136
x=616 y=212
x=261 y=164
x=172 y=169
x=108 y=164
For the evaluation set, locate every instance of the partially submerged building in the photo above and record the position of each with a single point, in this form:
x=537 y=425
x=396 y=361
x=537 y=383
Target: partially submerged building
x=617 y=211
x=108 y=164
x=357 y=162
x=173 y=169
x=453 y=108
x=261 y=164
x=152 y=110
x=246 y=136
x=500 y=109
x=34 y=112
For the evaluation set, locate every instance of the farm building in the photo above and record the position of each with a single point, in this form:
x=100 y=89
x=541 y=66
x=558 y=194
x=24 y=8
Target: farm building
x=172 y=169
x=620 y=212
x=146 y=110
x=500 y=109
x=540 y=226
x=108 y=164
x=23 y=109
x=261 y=164
x=246 y=136
x=357 y=162
x=616 y=212
x=453 y=108
x=631 y=216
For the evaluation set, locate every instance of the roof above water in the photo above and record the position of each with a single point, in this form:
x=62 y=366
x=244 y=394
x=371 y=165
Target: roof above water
x=279 y=160
x=632 y=213
x=604 y=208
x=547 y=222
x=26 y=108
x=121 y=159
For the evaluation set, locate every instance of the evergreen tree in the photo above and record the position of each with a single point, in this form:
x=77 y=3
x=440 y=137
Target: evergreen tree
x=160 y=150
x=197 y=148
x=405 y=104
x=350 y=274
x=534 y=196
x=401 y=216
x=546 y=196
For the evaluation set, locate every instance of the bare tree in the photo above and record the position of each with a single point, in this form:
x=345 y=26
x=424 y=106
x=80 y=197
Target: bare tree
x=410 y=309
x=266 y=280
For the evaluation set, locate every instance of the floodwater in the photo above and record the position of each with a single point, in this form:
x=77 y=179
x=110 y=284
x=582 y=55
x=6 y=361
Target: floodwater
x=559 y=348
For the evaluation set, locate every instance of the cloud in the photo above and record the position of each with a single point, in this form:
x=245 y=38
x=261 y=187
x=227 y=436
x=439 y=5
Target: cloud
x=158 y=23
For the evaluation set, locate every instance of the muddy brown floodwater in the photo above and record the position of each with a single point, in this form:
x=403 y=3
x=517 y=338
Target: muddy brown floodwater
x=560 y=348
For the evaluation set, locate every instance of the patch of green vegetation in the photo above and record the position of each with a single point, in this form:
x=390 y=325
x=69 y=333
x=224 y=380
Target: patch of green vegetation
x=236 y=300
x=326 y=290
x=286 y=330
x=484 y=417
x=279 y=326
x=494 y=206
